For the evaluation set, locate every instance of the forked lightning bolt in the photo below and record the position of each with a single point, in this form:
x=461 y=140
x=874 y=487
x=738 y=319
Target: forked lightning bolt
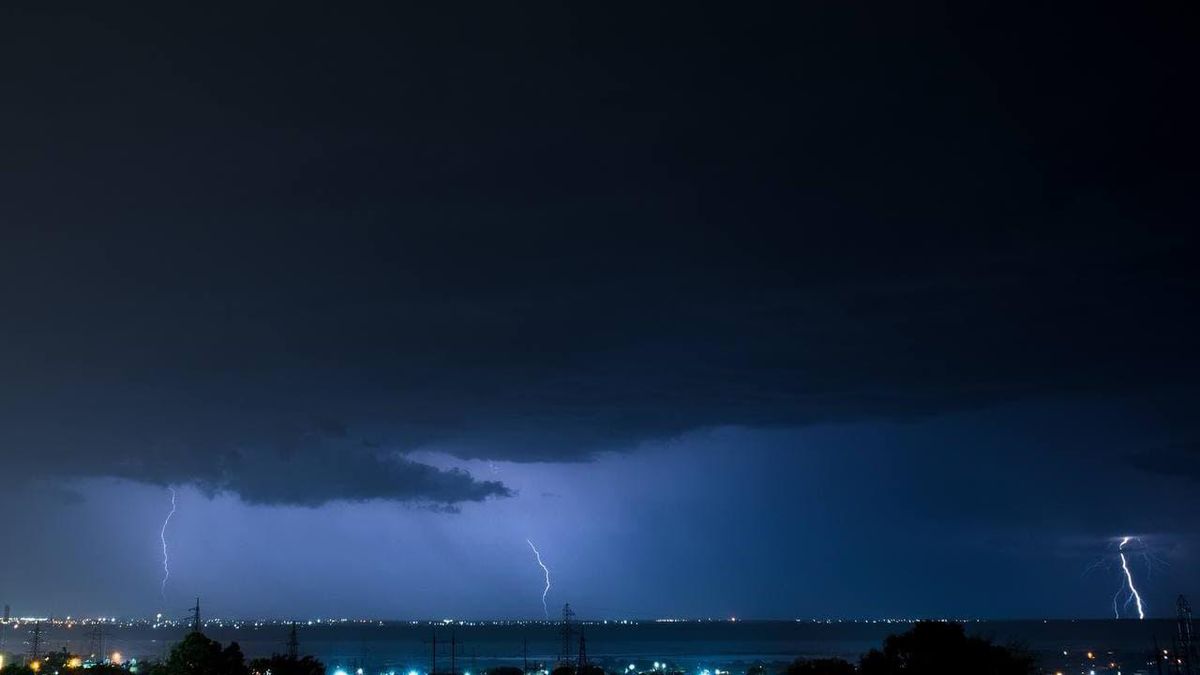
x=162 y=535
x=1129 y=579
x=546 y=570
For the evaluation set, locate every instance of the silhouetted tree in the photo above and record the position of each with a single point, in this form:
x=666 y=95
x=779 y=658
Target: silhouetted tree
x=820 y=667
x=280 y=664
x=505 y=670
x=563 y=670
x=51 y=662
x=198 y=655
x=57 y=660
x=939 y=648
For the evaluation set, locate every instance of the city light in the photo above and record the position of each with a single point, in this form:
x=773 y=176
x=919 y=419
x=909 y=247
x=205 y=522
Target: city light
x=116 y=658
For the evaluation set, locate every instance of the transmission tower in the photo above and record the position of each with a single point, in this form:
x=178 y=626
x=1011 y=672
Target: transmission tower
x=96 y=642
x=196 y=617
x=35 y=642
x=582 y=669
x=293 y=643
x=565 y=633
x=433 y=655
x=1185 y=644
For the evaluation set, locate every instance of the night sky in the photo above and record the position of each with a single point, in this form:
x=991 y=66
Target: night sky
x=809 y=309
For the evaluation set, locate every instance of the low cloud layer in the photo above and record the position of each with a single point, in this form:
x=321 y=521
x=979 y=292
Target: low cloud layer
x=306 y=467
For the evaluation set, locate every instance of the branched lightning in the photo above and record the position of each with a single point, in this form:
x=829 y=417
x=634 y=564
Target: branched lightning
x=162 y=535
x=546 y=570
x=1129 y=579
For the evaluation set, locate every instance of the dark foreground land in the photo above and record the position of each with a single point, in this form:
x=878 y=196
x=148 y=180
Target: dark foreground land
x=685 y=647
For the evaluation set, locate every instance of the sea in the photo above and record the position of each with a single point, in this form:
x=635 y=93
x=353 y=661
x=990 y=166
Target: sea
x=1101 y=647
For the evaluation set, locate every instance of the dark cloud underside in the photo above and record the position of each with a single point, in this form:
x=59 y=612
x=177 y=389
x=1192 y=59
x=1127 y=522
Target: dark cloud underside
x=533 y=235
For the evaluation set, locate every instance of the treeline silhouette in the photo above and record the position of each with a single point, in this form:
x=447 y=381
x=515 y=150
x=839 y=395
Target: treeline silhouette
x=196 y=654
x=929 y=648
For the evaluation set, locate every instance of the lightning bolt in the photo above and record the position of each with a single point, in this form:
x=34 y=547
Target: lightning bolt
x=162 y=535
x=546 y=570
x=1129 y=579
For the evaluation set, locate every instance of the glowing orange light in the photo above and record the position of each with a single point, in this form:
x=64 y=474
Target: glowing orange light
x=35 y=666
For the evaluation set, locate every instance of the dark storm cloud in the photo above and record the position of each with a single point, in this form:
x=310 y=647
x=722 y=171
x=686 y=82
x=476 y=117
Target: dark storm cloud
x=1180 y=460
x=318 y=475
x=511 y=236
x=305 y=465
